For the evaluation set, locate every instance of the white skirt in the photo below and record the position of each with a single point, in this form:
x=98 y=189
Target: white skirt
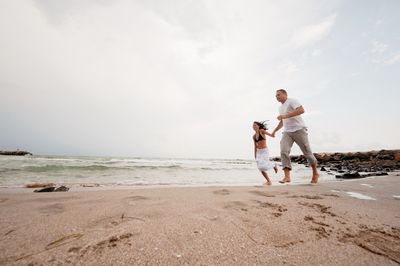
x=262 y=159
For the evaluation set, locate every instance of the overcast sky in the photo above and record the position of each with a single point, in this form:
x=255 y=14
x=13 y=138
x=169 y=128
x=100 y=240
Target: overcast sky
x=182 y=78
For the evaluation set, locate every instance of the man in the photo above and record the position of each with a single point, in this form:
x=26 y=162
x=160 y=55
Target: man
x=294 y=130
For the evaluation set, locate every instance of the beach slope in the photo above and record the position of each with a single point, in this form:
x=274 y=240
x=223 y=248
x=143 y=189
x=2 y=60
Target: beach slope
x=333 y=223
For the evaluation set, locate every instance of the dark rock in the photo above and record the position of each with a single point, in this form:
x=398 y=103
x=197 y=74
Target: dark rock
x=349 y=175
x=15 y=153
x=367 y=175
x=46 y=189
x=323 y=169
x=385 y=157
x=61 y=189
x=380 y=174
x=397 y=156
x=372 y=161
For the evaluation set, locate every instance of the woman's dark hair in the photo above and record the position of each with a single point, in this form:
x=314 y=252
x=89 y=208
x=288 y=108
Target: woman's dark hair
x=262 y=124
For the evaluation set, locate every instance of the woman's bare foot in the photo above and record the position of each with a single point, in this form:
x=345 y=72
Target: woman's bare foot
x=284 y=180
x=276 y=169
x=268 y=183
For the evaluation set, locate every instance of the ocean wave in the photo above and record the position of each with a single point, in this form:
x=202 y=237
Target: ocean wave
x=93 y=167
x=53 y=167
x=101 y=168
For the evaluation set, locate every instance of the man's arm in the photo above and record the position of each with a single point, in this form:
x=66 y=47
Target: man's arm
x=279 y=126
x=298 y=111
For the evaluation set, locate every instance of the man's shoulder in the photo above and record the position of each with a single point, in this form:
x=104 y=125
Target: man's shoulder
x=293 y=101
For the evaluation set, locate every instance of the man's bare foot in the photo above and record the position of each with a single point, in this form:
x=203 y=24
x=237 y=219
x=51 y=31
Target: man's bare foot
x=276 y=169
x=314 y=179
x=284 y=180
x=268 y=183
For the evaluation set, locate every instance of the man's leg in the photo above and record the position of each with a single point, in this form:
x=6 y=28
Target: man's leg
x=286 y=146
x=301 y=139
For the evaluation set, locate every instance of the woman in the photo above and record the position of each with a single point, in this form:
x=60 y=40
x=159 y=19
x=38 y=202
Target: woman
x=261 y=152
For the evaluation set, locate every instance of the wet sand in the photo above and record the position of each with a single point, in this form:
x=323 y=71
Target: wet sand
x=322 y=224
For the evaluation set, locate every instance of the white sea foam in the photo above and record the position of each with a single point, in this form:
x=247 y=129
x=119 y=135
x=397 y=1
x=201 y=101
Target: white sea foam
x=367 y=185
x=359 y=196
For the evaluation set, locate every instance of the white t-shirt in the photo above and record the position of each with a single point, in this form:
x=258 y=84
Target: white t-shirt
x=294 y=123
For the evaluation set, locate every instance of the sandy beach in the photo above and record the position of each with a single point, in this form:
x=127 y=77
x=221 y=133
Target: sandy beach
x=324 y=224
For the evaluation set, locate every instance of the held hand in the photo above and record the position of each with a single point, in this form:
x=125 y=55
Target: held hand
x=281 y=117
x=273 y=134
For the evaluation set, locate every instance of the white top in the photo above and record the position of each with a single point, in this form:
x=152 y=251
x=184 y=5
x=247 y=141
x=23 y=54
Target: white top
x=294 y=123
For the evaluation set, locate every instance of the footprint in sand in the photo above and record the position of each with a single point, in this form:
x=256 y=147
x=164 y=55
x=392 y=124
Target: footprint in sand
x=314 y=197
x=222 y=192
x=262 y=193
x=330 y=195
x=53 y=199
x=115 y=221
x=276 y=207
x=137 y=198
x=236 y=205
x=52 y=208
x=321 y=232
x=378 y=241
x=313 y=220
x=133 y=200
x=319 y=207
x=91 y=250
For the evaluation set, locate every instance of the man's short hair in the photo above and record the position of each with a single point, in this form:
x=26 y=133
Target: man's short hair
x=283 y=91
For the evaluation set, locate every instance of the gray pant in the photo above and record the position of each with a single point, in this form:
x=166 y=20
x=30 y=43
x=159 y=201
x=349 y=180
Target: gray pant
x=301 y=139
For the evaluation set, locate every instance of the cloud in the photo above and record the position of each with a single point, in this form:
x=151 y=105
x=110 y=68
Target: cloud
x=394 y=59
x=316 y=52
x=378 y=22
x=313 y=33
x=103 y=77
x=58 y=12
x=378 y=47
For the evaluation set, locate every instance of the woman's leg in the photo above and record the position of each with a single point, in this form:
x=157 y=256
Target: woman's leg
x=266 y=177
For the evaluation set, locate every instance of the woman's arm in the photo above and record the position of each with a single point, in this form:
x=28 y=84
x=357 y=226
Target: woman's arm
x=269 y=134
x=255 y=149
x=264 y=132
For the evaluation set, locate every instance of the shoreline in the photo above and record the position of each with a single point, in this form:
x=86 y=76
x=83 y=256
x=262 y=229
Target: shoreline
x=283 y=225
x=100 y=187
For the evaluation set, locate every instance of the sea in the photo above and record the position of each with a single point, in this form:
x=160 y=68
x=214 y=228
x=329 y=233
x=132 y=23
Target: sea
x=118 y=172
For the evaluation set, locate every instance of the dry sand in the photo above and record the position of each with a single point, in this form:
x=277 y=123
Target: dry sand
x=278 y=225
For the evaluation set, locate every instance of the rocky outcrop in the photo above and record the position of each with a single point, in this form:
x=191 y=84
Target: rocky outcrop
x=15 y=153
x=355 y=164
x=52 y=189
